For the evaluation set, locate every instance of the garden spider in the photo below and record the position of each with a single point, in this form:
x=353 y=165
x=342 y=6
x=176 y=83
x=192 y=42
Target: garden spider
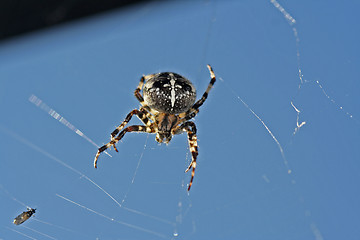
x=167 y=105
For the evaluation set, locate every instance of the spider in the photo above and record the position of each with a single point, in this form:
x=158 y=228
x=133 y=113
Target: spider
x=167 y=105
x=24 y=216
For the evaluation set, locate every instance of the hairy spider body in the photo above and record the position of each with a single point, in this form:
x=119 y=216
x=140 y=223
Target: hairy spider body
x=167 y=105
x=169 y=93
x=165 y=122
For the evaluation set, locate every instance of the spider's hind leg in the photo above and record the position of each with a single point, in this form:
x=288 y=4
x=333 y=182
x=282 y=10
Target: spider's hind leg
x=206 y=93
x=195 y=108
x=138 y=95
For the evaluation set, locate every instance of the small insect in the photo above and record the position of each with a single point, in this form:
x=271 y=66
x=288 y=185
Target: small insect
x=167 y=105
x=24 y=216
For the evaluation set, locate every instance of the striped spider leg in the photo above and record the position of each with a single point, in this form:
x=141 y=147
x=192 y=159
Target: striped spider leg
x=143 y=114
x=133 y=128
x=190 y=128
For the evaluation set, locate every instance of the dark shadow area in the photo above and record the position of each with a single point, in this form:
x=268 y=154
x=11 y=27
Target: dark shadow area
x=22 y=16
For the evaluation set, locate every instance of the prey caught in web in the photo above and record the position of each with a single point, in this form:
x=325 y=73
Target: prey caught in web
x=24 y=216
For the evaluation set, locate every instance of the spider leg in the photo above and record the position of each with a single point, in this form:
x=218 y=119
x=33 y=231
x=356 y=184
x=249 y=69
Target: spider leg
x=133 y=128
x=187 y=116
x=138 y=95
x=205 y=95
x=138 y=89
x=195 y=108
x=190 y=127
x=142 y=114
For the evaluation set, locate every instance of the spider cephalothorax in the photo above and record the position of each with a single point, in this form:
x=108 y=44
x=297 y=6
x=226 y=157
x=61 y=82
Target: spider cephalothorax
x=168 y=103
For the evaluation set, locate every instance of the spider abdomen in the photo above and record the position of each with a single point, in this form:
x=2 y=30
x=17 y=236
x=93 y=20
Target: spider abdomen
x=169 y=92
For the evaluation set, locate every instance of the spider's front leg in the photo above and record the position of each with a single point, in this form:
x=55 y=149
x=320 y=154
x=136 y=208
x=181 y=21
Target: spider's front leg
x=133 y=128
x=142 y=114
x=190 y=128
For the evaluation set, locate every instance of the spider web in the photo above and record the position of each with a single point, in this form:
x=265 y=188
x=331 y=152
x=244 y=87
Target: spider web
x=278 y=135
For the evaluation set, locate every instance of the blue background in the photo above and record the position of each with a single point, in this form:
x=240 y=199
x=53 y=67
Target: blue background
x=87 y=71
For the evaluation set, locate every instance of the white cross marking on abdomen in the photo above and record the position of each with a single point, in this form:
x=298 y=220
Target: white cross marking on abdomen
x=172 y=82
